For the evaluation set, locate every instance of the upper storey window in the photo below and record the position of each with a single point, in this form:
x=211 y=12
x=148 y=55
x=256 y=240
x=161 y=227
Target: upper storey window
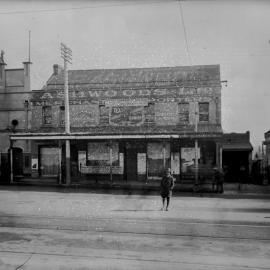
x=62 y=115
x=47 y=115
x=183 y=112
x=203 y=112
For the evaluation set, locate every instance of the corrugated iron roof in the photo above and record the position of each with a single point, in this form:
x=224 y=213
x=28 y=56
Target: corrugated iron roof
x=208 y=73
x=245 y=146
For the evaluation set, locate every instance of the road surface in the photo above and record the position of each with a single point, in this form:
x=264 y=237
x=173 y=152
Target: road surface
x=84 y=230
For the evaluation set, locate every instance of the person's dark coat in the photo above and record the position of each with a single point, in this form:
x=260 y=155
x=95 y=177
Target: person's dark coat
x=166 y=186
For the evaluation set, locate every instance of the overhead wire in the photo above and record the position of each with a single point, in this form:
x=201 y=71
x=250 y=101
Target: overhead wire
x=86 y=7
x=185 y=32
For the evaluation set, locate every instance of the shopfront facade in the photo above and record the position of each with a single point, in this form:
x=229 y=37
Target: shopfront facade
x=127 y=125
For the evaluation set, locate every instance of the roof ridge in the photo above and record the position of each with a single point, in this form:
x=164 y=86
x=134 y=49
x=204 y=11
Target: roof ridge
x=149 y=68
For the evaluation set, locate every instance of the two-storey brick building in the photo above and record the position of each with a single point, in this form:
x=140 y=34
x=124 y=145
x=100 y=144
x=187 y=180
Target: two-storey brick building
x=15 y=116
x=127 y=124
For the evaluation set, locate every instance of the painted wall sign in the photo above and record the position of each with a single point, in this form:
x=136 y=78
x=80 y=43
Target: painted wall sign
x=126 y=102
x=166 y=113
x=126 y=116
x=126 y=93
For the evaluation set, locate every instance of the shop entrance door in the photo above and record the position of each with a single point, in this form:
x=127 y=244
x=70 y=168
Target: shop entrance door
x=17 y=162
x=49 y=161
x=131 y=164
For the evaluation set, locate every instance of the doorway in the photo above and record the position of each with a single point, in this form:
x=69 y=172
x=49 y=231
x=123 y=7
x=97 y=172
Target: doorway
x=130 y=162
x=49 y=161
x=17 y=162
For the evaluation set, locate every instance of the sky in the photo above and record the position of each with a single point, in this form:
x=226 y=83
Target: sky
x=153 y=33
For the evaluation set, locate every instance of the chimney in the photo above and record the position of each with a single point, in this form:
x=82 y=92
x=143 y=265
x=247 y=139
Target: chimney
x=56 y=69
x=27 y=81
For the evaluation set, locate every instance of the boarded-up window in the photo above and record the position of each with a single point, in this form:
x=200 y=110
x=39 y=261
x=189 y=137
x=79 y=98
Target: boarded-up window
x=204 y=112
x=183 y=113
x=62 y=115
x=47 y=115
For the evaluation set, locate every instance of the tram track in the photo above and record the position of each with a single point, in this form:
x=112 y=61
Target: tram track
x=184 y=263
x=140 y=227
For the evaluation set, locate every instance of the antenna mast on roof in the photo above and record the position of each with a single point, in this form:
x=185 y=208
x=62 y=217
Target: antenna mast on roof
x=29 y=47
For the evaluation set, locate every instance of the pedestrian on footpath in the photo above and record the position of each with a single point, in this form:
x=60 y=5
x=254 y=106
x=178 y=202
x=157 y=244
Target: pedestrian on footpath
x=166 y=187
x=218 y=180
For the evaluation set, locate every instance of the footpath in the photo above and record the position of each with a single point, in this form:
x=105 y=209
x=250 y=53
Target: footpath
x=139 y=187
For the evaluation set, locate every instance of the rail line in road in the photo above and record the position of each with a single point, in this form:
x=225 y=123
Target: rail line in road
x=121 y=262
x=178 y=228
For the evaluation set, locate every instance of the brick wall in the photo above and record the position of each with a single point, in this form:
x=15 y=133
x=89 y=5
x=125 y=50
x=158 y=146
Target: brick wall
x=95 y=113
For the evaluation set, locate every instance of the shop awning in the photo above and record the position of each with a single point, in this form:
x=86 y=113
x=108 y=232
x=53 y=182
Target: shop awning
x=245 y=146
x=84 y=136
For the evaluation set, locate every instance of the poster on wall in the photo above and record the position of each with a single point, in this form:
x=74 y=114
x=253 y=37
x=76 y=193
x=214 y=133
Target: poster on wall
x=81 y=159
x=34 y=164
x=175 y=163
x=141 y=157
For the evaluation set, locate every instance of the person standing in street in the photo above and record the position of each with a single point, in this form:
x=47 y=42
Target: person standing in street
x=166 y=187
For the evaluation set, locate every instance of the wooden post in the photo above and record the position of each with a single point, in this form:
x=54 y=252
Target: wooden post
x=60 y=162
x=220 y=158
x=164 y=156
x=111 y=172
x=11 y=165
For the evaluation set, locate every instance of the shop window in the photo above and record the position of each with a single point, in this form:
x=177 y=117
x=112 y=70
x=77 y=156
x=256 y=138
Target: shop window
x=204 y=112
x=62 y=115
x=98 y=154
x=47 y=115
x=158 y=158
x=183 y=112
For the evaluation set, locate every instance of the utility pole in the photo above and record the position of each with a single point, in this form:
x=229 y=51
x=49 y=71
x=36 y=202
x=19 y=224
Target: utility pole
x=196 y=146
x=66 y=54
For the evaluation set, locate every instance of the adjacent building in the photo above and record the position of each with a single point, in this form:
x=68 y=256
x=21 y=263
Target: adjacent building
x=267 y=155
x=15 y=116
x=236 y=152
x=127 y=124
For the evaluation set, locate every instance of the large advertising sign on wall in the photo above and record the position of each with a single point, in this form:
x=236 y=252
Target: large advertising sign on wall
x=126 y=116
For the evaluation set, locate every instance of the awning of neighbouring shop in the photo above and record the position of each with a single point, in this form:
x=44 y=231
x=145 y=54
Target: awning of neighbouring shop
x=246 y=146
